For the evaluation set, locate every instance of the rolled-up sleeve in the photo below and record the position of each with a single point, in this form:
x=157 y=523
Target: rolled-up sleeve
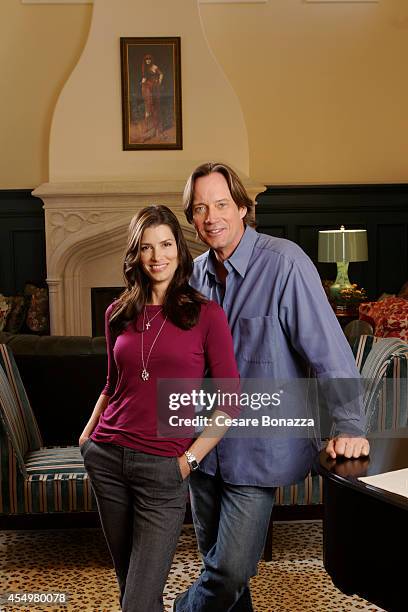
x=311 y=325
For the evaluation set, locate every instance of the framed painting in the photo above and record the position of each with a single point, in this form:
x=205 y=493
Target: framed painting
x=151 y=93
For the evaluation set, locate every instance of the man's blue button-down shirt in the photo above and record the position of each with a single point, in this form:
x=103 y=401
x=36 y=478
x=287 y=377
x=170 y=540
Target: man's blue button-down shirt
x=281 y=323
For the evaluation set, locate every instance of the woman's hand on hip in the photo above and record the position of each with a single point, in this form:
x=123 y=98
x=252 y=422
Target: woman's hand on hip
x=184 y=467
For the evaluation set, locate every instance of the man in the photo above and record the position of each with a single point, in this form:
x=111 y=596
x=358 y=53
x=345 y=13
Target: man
x=281 y=324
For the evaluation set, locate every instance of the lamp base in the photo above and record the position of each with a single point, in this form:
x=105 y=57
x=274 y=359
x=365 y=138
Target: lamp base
x=345 y=297
x=344 y=312
x=342 y=282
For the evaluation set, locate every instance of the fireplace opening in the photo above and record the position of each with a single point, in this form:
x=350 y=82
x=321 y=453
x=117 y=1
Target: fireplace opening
x=101 y=297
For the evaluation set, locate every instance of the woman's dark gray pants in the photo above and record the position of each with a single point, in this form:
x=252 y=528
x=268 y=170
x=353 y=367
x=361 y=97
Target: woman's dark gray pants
x=141 y=500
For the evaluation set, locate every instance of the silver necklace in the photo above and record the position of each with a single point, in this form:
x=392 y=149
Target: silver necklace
x=149 y=321
x=145 y=374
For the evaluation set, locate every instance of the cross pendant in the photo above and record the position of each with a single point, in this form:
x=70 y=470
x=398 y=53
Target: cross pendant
x=147 y=325
x=145 y=375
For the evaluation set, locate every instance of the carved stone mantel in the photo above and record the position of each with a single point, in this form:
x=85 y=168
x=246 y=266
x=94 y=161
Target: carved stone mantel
x=86 y=231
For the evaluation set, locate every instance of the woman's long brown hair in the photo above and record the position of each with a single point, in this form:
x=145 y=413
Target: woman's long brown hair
x=181 y=303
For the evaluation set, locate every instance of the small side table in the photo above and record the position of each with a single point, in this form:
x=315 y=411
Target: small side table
x=345 y=316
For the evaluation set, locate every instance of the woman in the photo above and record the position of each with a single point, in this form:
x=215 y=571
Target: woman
x=152 y=78
x=160 y=327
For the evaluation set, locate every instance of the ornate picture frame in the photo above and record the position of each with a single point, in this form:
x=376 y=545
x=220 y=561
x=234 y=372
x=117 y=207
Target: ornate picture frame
x=151 y=93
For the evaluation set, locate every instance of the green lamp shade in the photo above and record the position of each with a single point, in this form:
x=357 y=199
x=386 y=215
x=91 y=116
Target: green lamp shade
x=342 y=245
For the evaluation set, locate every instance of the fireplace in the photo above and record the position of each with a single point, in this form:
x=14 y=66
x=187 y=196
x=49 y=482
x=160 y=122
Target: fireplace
x=86 y=233
x=101 y=297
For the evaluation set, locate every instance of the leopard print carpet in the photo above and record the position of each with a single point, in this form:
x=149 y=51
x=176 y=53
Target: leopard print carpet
x=76 y=562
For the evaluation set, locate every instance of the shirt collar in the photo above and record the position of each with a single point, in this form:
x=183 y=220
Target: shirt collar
x=239 y=260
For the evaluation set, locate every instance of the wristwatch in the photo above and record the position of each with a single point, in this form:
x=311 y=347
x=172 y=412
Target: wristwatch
x=192 y=461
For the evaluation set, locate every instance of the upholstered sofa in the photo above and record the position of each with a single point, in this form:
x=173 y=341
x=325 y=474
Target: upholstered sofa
x=64 y=375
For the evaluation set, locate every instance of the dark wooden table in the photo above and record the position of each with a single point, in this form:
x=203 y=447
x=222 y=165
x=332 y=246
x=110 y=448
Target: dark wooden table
x=365 y=529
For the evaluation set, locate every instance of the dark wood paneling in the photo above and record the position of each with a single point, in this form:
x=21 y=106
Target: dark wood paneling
x=22 y=240
x=298 y=213
x=391 y=247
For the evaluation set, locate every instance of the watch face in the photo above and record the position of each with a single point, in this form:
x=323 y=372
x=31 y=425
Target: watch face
x=193 y=465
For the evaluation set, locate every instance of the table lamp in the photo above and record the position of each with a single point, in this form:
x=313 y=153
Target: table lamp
x=342 y=246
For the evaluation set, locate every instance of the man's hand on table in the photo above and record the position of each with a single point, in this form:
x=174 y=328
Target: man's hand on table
x=350 y=448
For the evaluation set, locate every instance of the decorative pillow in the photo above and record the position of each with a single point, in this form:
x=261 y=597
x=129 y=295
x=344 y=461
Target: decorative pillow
x=389 y=317
x=30 y=288
x=37 y=316
x=17 y=314
x=384 y=296
x=5 y=307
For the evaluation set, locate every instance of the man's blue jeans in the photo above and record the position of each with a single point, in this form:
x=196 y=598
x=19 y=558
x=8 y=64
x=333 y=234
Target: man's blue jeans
x=231 y=523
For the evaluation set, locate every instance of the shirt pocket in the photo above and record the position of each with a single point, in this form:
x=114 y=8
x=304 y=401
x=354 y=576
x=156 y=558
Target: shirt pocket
x=256 y=339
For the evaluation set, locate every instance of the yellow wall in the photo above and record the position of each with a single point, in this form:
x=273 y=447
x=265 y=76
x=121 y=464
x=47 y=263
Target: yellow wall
x=323 y=86
x=39 y=46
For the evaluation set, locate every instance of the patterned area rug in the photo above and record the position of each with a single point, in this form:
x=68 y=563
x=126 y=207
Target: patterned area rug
x=76 y=562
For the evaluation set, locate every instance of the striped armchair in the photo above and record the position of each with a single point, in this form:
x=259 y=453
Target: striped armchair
x=383 y=362
x=34 y=479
